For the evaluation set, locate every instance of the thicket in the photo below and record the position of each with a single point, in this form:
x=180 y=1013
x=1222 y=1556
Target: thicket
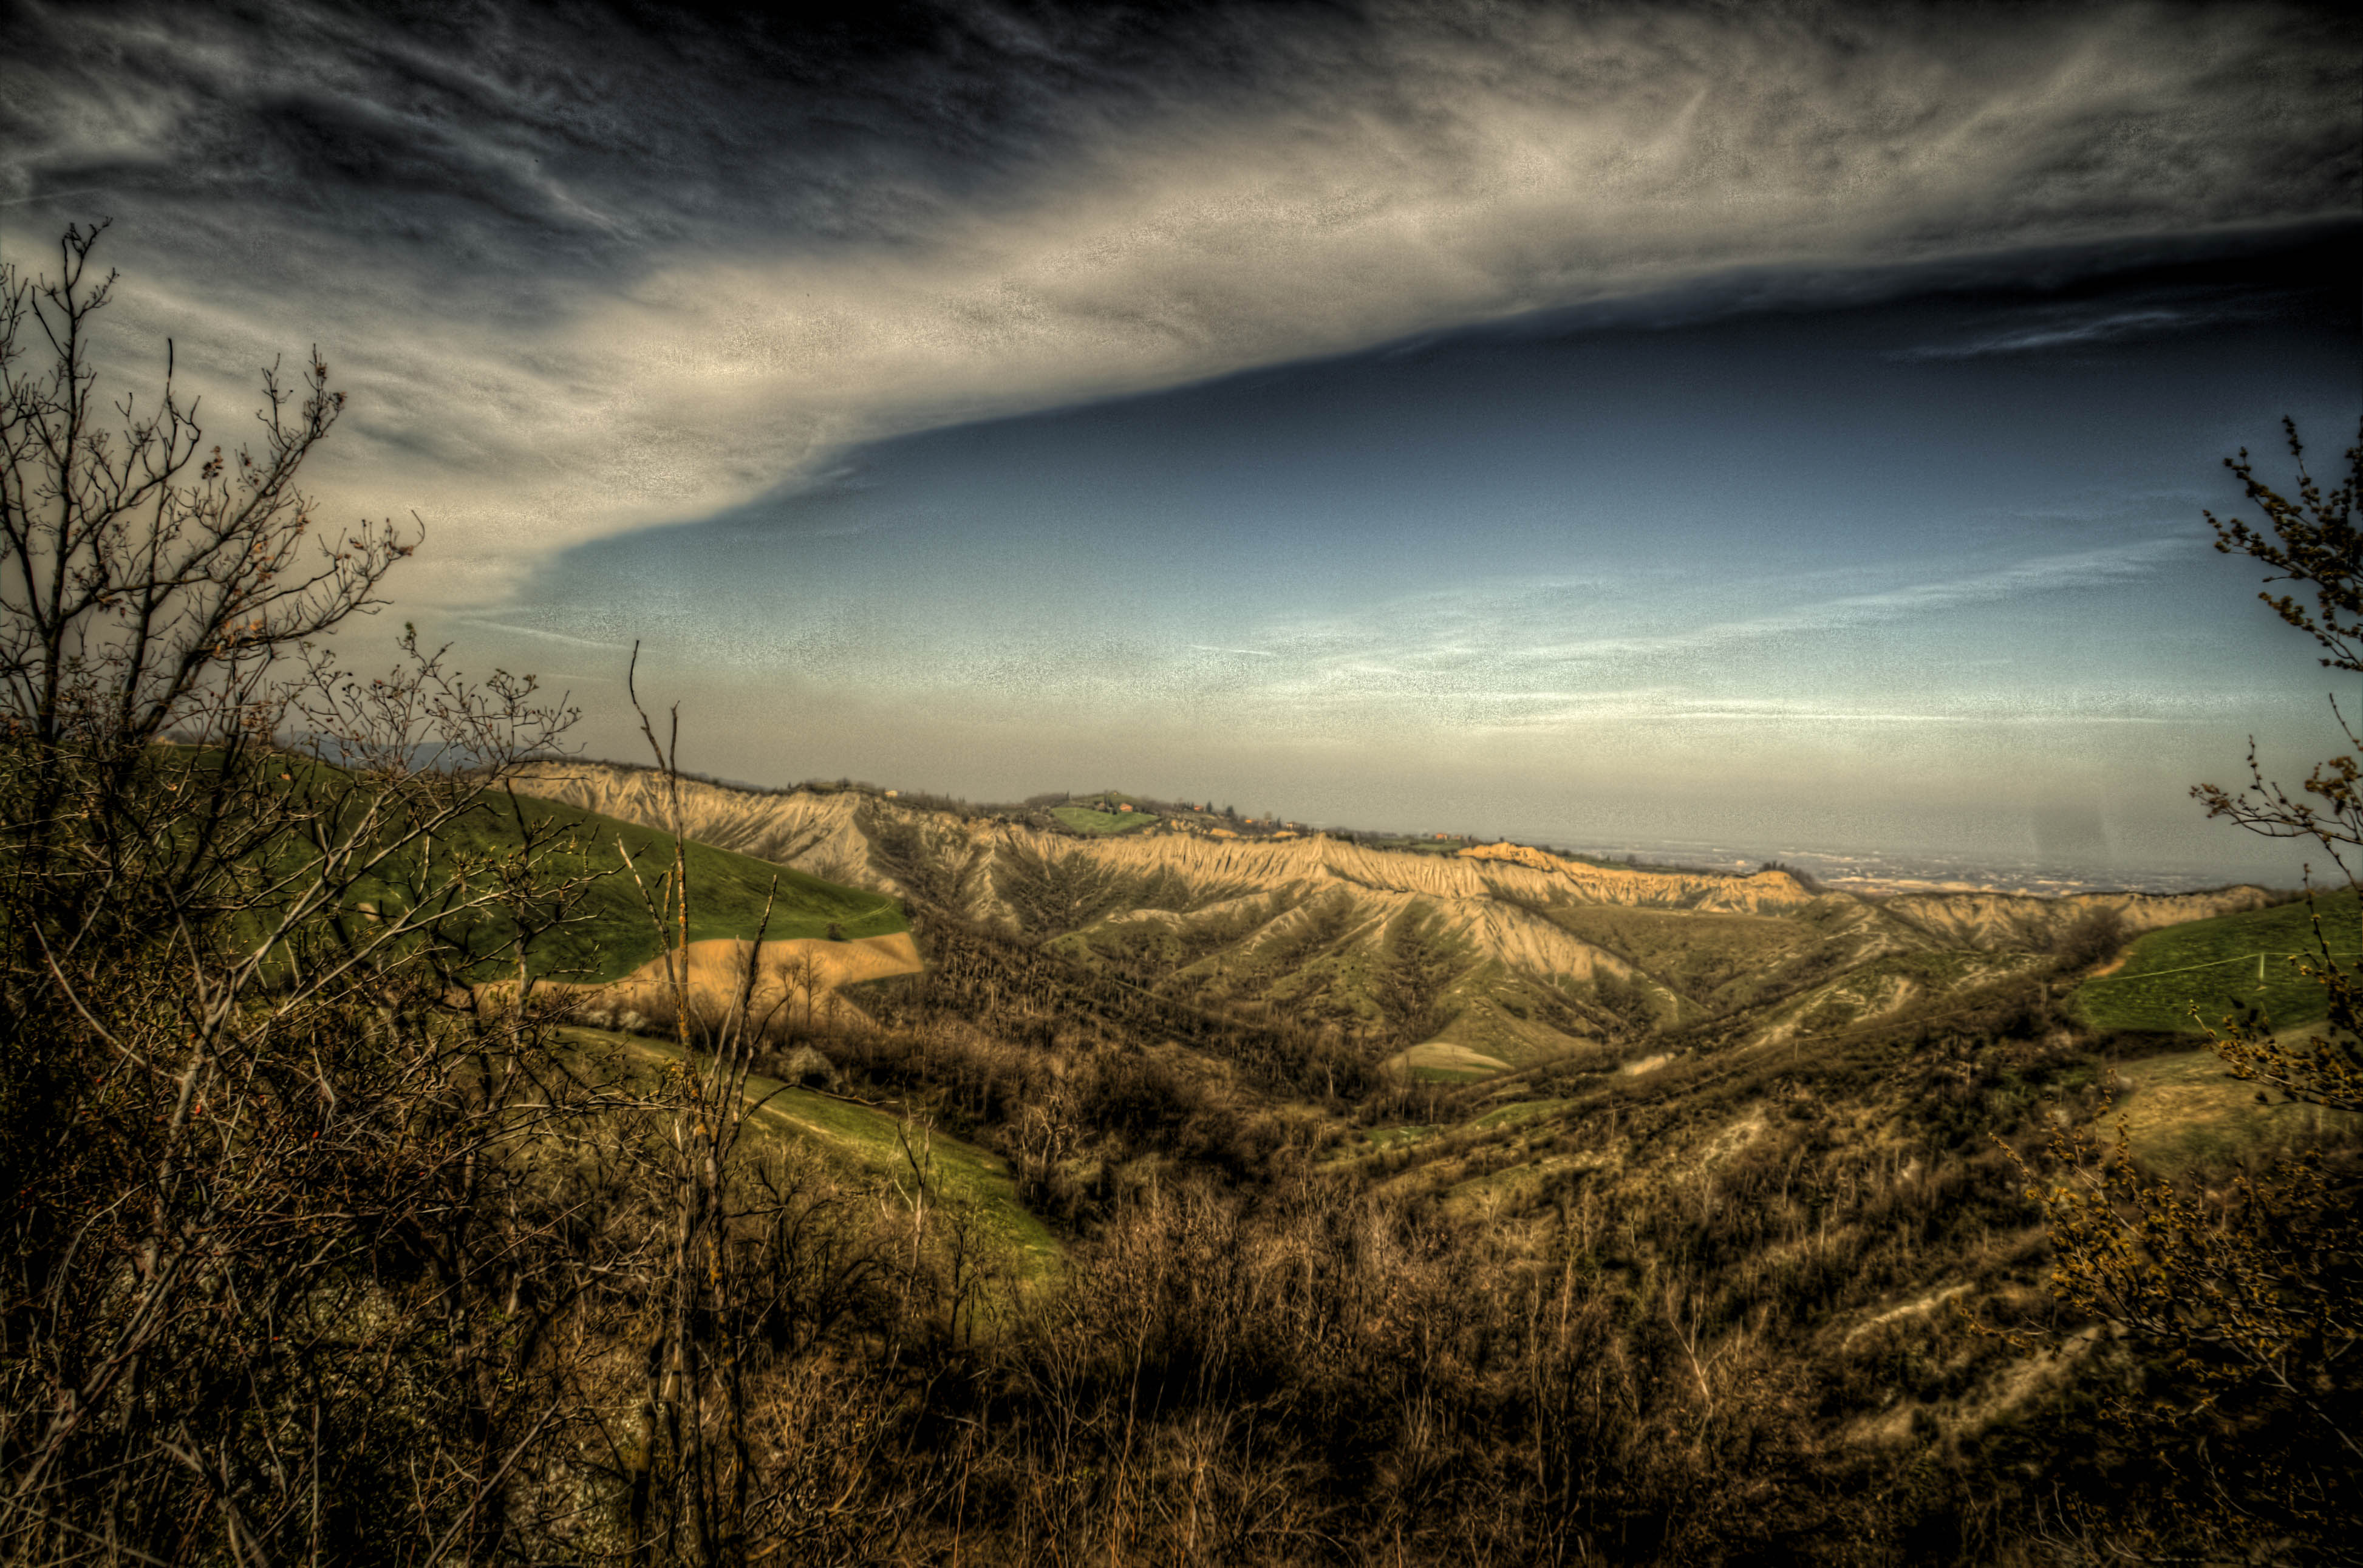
x=312 y=1254
x=1318 y=1353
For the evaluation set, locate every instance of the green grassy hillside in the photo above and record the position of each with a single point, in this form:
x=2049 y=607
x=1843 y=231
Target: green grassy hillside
x=613 y=935
x=2213 y=964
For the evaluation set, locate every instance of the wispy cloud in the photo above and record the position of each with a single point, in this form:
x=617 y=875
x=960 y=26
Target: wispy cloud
x=1504 y=655
x=2051 y=331
x=1523 y=624
x=580 y=281
x=2077 y=570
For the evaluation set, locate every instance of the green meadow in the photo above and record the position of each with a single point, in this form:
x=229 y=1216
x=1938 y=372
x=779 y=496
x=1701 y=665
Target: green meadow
x=2215 y=965
x=1083 y=820
x=2185 y=1112
x=614 y=936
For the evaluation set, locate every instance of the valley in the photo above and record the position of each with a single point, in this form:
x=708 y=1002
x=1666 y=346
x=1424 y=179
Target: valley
x=1052 y=1188
x=1454 y=1156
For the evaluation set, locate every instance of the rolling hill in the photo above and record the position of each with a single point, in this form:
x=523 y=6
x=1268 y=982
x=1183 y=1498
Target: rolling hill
x=1482 y=960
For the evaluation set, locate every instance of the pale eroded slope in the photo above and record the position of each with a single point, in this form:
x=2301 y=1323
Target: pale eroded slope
x=1340 y=932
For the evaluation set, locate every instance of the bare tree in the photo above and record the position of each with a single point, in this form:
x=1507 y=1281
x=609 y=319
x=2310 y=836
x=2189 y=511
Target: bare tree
x=268 y=1185
x=733 y=1454
x=150 y=579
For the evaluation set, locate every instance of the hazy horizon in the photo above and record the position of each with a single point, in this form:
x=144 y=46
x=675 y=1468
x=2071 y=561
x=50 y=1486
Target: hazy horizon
x=1783 y=430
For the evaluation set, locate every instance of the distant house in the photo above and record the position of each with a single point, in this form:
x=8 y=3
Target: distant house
x=892 y=794
x=1125 y=807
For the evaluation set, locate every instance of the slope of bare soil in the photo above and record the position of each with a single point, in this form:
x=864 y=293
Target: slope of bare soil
x=802 y=978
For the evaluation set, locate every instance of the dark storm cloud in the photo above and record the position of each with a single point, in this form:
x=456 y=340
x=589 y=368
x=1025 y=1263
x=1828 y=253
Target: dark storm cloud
x=589 y=267
x=528 y=137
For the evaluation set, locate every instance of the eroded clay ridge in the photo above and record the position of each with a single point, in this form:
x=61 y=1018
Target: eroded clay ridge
x=812 y=833
x=832 y=836
x=1509 y=945
x=1990 y=920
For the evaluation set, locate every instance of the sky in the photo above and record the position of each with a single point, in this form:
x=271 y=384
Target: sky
x=1776 y=426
